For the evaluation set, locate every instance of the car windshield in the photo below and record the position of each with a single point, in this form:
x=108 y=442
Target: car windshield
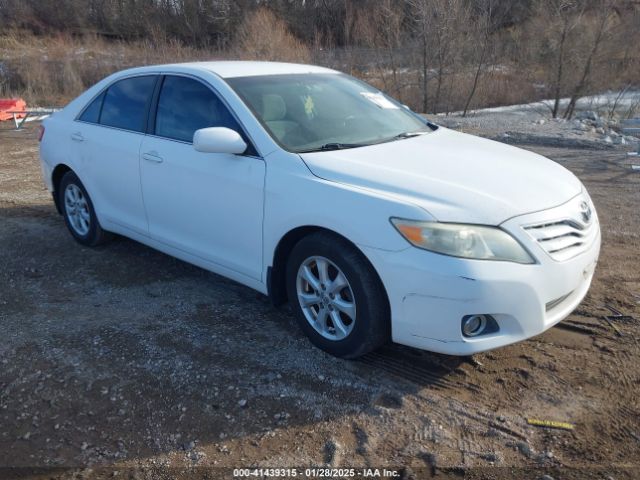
x=327 y=111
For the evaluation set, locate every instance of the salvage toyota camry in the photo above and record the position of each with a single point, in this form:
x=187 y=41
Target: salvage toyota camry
x=315 y=188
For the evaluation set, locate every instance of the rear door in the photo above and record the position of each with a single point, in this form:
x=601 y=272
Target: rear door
x=107 y=137
x=207 y=204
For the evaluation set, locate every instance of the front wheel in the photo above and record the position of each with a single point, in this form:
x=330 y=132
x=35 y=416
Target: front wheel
x=338 y=299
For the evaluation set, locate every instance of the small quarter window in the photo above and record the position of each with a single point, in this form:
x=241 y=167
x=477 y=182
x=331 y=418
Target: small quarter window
x=91 y=114
x=125 y=103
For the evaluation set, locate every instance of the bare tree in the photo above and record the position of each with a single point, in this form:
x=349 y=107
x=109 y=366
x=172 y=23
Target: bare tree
x=423 y=24
x=602 y=21
x=487 y=19
x=380 y=28
x=481 y=45
x=557 y=19
x=437 y=26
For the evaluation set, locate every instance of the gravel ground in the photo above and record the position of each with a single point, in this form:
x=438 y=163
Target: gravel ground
x=123 y=362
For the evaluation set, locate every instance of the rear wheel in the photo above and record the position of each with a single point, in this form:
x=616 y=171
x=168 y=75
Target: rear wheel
x=78 y=212
x=338 y=298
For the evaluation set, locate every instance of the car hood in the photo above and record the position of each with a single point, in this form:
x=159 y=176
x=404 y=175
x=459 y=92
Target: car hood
x=454 y=176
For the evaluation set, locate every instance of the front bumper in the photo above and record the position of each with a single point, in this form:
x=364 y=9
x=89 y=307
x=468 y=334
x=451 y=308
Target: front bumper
x=430 y=293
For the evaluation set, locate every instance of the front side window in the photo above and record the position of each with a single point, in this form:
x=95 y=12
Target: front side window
x=307 y=112
x=186 y=105
x=125 y=103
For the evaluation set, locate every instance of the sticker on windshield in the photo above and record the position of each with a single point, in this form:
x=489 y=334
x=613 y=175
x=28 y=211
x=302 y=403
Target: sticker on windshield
x=379 y=99
x=309 y=107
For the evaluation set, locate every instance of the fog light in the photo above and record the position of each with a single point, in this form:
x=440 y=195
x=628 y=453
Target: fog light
x=473 y=325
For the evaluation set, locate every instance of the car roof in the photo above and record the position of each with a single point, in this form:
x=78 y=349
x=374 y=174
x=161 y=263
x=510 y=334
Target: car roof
x=230 y=69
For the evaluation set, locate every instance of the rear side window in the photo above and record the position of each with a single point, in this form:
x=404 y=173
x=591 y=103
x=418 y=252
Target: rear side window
x=91 y=114
x=125 y=103
x=186 y=105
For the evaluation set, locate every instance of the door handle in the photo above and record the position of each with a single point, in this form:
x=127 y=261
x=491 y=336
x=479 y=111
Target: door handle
x=152 y=157
x=77 y=137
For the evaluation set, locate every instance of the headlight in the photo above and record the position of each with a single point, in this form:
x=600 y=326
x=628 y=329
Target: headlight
x=465 y=241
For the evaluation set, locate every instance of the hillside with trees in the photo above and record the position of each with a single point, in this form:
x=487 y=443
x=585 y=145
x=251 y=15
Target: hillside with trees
x=434 y=55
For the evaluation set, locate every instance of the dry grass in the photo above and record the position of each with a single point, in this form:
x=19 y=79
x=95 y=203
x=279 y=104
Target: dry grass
x=263 y=36
x=503 y=86
x=52 y=70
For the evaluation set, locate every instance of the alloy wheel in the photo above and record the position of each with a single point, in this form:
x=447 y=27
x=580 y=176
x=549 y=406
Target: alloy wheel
x=77 y=209
x=326 y=298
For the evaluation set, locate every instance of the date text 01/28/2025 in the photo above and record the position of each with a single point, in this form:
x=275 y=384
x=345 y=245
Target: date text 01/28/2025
x=316 y=472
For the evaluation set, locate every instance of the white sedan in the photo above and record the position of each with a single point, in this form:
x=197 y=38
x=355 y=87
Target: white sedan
x=313 y=187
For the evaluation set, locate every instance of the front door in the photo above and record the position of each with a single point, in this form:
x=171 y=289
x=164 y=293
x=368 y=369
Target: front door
x=206 y=204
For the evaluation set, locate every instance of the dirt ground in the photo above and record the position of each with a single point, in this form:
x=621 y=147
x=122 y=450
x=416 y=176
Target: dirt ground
x=123 y=362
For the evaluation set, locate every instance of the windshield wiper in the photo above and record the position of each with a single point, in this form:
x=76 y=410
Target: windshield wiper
x=402 y=135
x=343 y=146
x=335 y=146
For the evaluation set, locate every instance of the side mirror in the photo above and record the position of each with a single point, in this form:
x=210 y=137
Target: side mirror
x=218 y=140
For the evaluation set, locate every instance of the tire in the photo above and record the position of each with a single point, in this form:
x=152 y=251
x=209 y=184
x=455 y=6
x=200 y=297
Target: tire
x=363 y=295
x=78 y=212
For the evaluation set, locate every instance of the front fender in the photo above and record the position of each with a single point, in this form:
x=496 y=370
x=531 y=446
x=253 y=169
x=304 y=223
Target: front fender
x=294 y=198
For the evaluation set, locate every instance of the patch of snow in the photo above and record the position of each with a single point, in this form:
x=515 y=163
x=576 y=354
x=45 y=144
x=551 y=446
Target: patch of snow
x=593 y=102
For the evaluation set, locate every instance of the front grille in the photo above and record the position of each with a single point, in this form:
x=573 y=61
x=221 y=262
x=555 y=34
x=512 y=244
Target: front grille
x=564 y=239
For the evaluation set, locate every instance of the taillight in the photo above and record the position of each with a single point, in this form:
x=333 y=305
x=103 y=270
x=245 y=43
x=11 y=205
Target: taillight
x=41 y=133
